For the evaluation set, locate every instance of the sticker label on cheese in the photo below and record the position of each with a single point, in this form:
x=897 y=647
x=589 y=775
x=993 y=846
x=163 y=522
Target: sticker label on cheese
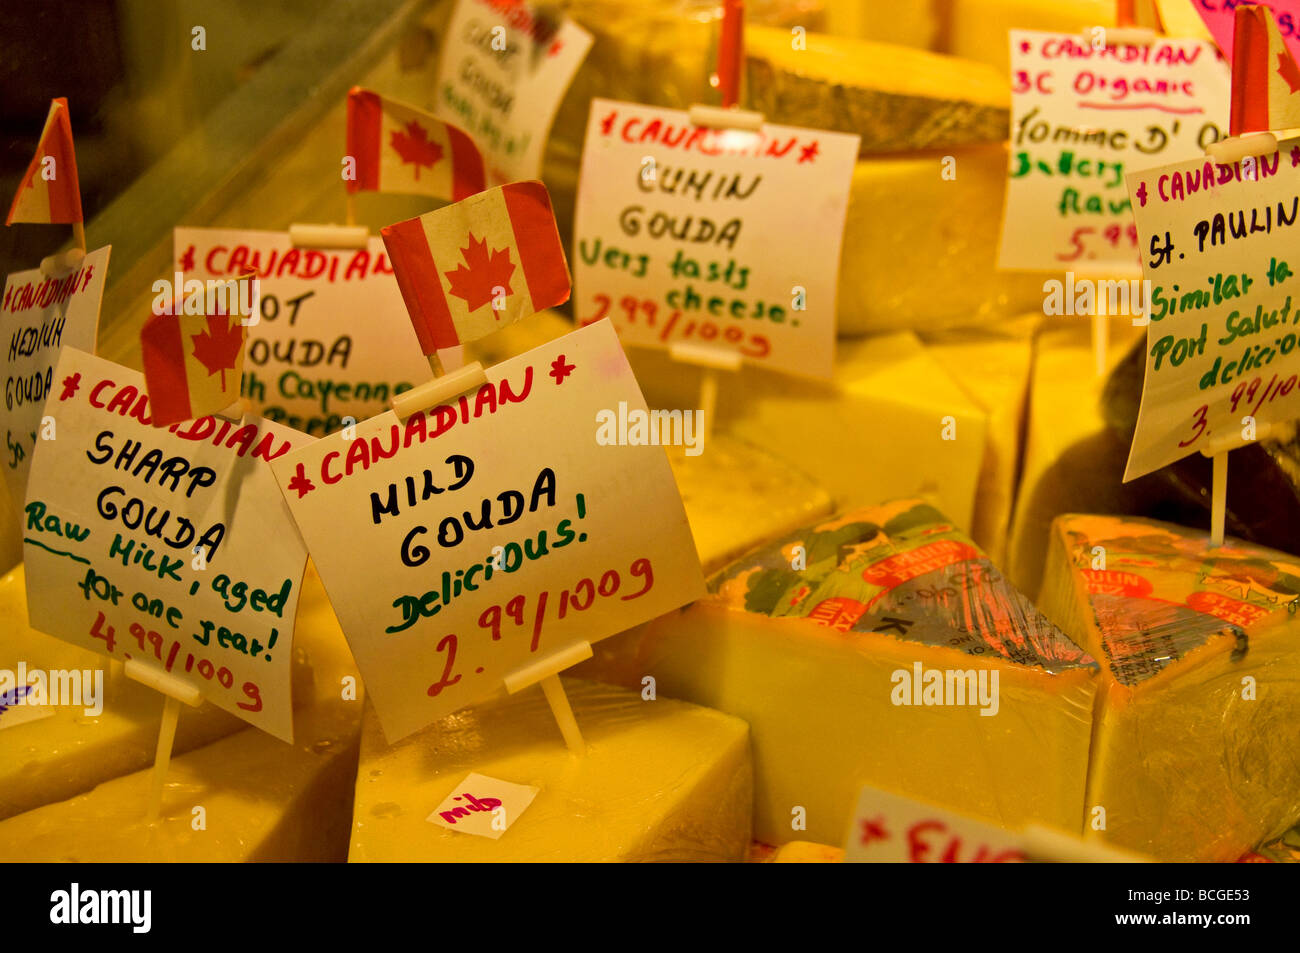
x=483 y=806
x=717 y=238
x=505 y=66
x=331 y=339
x=40 y=316
x=891 y=829
x=172 y=546
x=899 y=570
x=1221 y=247
x=486 y=533
x=1081 y=118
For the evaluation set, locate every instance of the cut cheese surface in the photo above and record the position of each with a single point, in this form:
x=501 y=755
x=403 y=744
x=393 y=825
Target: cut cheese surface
x=874 y=431
x=1194 y=754
x=69 y=752
x=1071 y=462
x=977 y=29
x=993 y=370
x=895 y=97
x=661 y=781
x=822 y=660
x=737 y=497
x=261 y=800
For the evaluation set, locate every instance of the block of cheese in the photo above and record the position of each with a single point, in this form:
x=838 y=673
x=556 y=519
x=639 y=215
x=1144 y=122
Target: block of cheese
x=895 y=97
x=918 y=24
x=992 y=368
x=977 y=29
x=69 y=752
x=875 y=431
x=1071 y=461
x=806 y=852
x=262 y=800
x=1194 y=755
x=860 y=657
x=661 y=781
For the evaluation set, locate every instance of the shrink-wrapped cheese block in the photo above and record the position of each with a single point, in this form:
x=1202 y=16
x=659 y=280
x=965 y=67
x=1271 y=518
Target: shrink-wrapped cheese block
x=661 y=780
x=70 y=752
x=1194 y=755
x=877 y=429
x=880 y=647
x=262 y=799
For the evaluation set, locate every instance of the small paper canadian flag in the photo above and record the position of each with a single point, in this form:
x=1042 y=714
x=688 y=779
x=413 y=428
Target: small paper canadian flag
x=1265 y=77
x=469 y=269
x=398 y=148
x=49 y=192
x=193 y=352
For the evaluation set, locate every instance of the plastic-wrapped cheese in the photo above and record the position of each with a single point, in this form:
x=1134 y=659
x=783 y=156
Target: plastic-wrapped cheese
x=857 y=650
x=876 y=430
x=261 y=800
x=1194 y=755
x=69 y=752
x=661 y=781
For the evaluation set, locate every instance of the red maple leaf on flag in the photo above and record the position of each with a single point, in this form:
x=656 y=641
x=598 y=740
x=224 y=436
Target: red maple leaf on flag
x=476 y=279
x=1286 y=68
x=414 y=147
x=217 y=348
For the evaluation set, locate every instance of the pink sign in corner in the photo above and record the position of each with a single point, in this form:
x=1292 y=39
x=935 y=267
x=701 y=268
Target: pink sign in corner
x=1219 y=15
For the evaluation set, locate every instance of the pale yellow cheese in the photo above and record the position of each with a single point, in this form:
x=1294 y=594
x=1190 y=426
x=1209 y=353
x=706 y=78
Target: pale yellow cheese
x=805 y=852
x=1072 y=461
x=808 y=648
x=874 y=431
x=1194 y=754
x=261 y=800
x=978 y=29
x=993 y=368
x=661 y=781
x=63 y=755
x=915 y=23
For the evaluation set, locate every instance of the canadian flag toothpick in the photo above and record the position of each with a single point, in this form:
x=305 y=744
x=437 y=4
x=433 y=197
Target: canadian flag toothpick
x=469 y=269
x=398 y=148
x=49 y=192
x=1265 y=77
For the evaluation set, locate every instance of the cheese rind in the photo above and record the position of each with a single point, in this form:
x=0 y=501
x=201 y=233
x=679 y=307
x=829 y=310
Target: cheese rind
x=812 y=657
x=897 y=99
x=1193 y=752
x=661 y=781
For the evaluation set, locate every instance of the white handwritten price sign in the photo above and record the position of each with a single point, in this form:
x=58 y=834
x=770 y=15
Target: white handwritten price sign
x=505 y=66
x=332 y=338
x=715 y=237
x=172 y=546
x=40 y=315
x=1221 y=246
x=891 y=829
x=1081 y=118
x=465 y=542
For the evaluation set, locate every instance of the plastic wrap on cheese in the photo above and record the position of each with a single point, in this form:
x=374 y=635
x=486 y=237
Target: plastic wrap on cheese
x=879 y=647
x=900 y=569
x=1194 y=755
x=660 y=781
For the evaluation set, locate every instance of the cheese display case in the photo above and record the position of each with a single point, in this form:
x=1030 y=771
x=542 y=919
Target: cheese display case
x=631 y=432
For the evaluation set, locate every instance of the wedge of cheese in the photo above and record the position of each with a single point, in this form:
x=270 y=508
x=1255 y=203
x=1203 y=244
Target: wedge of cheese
x=993 y=369
x=896 y=98
x=881 y=647
x=918 y=24
x=247 y=797
x=69 y=752
x=1194 y=755
x=661 y=781
x=876 y=430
